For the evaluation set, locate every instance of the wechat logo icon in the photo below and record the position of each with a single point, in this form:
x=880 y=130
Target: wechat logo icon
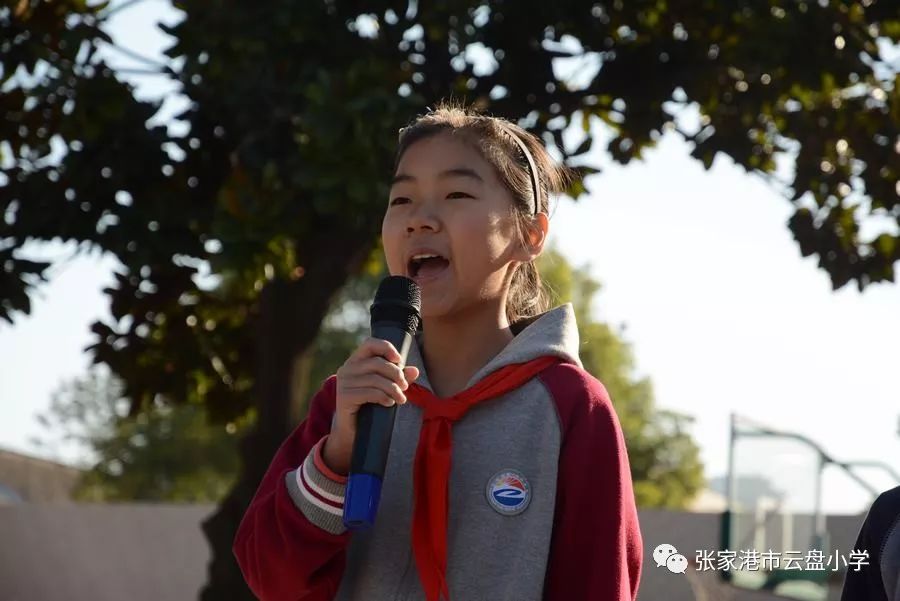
x=668 y=556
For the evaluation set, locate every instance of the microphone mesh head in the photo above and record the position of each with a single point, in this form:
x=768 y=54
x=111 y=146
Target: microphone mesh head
x=398 y=300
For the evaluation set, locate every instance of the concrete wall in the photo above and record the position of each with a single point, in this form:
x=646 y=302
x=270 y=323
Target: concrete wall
x=74 y=552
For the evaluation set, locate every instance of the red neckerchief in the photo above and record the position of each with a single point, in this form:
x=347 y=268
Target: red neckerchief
x=432 y=466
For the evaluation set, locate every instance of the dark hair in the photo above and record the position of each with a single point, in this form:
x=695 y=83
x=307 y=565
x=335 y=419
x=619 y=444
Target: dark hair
x=492 y=138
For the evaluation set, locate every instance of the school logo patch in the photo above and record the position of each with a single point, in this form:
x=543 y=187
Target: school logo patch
x=508 y=492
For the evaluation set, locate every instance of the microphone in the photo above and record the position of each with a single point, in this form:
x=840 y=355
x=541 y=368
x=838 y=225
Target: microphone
x=395 y=318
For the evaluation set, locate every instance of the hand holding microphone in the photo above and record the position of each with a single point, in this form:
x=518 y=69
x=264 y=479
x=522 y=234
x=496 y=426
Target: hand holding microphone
x=369 y=386
x=370 y=375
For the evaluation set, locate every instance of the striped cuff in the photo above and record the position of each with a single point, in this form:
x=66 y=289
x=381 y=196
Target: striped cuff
x=318 y=492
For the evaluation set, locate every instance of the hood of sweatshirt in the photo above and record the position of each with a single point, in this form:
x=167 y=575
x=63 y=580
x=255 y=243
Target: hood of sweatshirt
x=552 y=333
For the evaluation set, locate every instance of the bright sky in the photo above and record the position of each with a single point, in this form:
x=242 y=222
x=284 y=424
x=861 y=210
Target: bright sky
x=723 y=313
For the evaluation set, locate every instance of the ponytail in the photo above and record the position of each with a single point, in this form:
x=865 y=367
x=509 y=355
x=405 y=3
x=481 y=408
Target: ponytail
x=528 y=296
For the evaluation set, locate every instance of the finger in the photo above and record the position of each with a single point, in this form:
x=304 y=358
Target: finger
x=352 y=370
x=378 y=382
x=375 y=347
x=410 y=372
x=372 y=395
x=379 y=365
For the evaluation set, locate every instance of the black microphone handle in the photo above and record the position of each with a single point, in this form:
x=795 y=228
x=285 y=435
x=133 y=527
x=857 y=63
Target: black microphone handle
x=374 y=422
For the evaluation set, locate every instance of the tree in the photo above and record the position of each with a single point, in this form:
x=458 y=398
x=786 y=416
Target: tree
x=166 y=453
x=284 y=99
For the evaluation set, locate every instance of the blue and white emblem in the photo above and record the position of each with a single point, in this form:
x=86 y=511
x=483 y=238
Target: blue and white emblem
x=508 y=492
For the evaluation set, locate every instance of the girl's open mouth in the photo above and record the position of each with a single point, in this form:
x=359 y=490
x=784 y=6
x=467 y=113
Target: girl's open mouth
x=427 y=268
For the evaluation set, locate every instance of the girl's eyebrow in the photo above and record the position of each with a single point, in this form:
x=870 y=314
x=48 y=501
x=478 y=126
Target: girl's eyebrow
x=454 y=172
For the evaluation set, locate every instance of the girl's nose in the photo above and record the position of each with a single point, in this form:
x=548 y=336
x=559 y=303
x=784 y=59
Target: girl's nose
x=423 y=217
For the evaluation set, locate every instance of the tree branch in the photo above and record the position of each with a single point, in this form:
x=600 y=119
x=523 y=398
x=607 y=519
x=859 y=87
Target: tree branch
x=115 y=9
x=129 y=71
x=138 y=57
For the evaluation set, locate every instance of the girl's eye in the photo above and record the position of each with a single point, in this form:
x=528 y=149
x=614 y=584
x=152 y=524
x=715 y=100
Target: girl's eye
x=459 y=195
x=398 y=200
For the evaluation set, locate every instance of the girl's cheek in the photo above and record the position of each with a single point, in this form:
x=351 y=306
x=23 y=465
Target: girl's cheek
x=390 y=244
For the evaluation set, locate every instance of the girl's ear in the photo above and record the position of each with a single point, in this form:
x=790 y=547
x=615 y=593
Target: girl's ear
x=536 y=236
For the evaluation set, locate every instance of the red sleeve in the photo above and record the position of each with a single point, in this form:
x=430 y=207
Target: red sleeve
x=281 y=553
x=596 y=548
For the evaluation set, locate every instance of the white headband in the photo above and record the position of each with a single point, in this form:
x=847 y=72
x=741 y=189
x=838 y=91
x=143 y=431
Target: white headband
x=535 y=182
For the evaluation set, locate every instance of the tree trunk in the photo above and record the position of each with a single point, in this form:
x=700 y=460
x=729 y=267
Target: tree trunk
x=290 y=314
x=301 y=388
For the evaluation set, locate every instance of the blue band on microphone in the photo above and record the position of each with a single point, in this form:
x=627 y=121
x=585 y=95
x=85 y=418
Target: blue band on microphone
x=361 y=501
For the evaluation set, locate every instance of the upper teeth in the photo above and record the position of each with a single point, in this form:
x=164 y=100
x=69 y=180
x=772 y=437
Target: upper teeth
x=419 y=257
